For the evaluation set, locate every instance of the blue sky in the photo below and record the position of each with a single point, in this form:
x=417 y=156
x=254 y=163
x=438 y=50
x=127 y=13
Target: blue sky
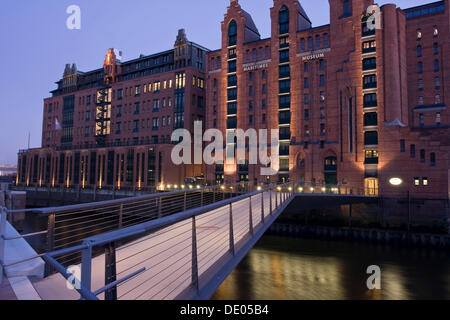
x=36 y=45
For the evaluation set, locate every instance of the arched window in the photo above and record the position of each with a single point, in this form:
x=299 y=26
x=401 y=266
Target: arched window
x=283 y=20
x=232 y=33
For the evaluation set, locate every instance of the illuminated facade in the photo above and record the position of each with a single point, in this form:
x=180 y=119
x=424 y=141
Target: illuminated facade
x=355 y=105
x=358 y=102
x=111 y=127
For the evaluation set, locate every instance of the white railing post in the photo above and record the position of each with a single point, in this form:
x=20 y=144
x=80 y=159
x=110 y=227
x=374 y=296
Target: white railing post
x=194 y=255
x=3 y=214
x=86 y=266
x=250 y=215
x=231 y=232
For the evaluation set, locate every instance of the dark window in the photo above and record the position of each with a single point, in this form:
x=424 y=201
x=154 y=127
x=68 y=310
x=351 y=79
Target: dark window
x=285 y=86
x=232 y=33
x=419 y=51
x=432 y=159
x=436 y=48
x=412 y=151
x=284 y=117
x=284 y=56
x=283 y=20
x=346 y=8
x=436 y=65
x=422 y=155
x=402 y=146
x=371 y=138
x=419 y=67
x=370 y=119
x=285 y=102
x=369 y=63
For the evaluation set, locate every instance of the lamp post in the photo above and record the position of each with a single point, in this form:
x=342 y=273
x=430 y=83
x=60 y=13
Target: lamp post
x=398 y=182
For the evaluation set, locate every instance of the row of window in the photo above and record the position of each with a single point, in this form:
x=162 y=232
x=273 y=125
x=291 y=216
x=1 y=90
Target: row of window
x=412 y=152
x=437 y=119
x=419 y=33
x=435 y=49
x=436 y=67
x=134 y=125
x=437 y=83
x=316 y=43
x=437 y=100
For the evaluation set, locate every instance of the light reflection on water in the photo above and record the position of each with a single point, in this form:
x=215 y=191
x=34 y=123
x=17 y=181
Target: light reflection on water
x=281 y=268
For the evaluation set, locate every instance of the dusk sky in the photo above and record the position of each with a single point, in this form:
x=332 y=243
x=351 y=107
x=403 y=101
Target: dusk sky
x=36 y=45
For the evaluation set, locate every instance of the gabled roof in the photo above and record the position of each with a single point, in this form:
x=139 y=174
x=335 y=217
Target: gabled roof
x=249 y=23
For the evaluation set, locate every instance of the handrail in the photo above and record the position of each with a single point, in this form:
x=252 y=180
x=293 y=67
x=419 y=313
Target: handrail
x=152 y=226
x=84 y=206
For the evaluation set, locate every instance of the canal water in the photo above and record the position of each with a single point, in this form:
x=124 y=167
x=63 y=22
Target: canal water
x=283 y=268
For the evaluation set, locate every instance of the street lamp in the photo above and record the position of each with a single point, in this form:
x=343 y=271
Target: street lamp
x=395 y=181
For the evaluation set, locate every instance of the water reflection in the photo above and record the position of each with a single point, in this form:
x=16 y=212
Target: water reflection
x=281 y=268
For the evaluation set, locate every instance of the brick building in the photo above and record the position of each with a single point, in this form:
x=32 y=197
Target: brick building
x=358 y=102
x=111 y=127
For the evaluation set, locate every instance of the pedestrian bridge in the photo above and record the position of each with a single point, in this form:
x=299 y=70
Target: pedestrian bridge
x=183 y=255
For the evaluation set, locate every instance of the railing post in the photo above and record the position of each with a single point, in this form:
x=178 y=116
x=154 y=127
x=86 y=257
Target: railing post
x=270 y=197
x=214 y=194
x=201 y=198
x=250 y=215
x=194 y=255
x=262 y=204
x=86 y=266
x=110 y=270
x=231 y=232
x=160 y=207
x=121 y=216
x=185 y=201
x=50 y=240
x=276 y=201
x=3 y=214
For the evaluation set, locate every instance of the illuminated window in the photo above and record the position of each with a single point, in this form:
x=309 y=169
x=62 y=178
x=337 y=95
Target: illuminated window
x=416 y=181
x=157 y=86
x=425 y=181
x=419 y=34
x=435 y=32
x=165 y=84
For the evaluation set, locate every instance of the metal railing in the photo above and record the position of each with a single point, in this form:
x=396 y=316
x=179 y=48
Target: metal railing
x=176 y=256
x=66 y=226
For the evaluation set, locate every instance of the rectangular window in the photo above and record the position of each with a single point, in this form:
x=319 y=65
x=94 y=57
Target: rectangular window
x=402 y=145
x=322 y=80
x=433 y=159
x=412 y=151
x=422 y=155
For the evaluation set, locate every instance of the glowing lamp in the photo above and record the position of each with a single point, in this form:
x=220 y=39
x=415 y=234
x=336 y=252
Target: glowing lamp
x=395 y=181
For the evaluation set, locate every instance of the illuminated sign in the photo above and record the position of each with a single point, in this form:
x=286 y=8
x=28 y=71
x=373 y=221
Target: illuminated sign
x=256 y=65
x=313 y=55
